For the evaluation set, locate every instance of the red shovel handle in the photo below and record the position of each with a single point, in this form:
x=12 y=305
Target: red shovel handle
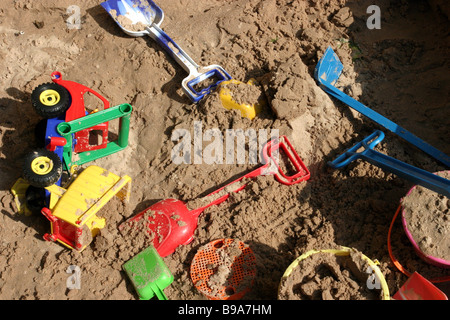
x=270 y=167
x=222 y=194
x=301 y=171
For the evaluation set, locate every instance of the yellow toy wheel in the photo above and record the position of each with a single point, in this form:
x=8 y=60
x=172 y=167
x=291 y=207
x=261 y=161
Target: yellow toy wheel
x=42 y=168
x=49 y=97
x=42 y=165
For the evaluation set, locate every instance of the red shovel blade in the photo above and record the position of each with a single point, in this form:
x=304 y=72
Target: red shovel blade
x=168 y=223
x=419 y=288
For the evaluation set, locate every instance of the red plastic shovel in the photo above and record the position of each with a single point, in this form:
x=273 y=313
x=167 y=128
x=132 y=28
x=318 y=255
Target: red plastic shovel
x=419 y=288
x=171 y=223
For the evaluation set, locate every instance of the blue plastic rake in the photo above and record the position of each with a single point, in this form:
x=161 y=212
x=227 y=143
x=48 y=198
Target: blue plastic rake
x=327 y=72
x=401 y=169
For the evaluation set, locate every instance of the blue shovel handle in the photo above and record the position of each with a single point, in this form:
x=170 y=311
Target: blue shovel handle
x=401 y=169
x=173 y=49
x=196 y=74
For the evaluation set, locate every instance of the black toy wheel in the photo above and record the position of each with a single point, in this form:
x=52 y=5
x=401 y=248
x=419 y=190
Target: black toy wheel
x=50 y=100
x=35 y=199
x=42 y=168
x=39 y=133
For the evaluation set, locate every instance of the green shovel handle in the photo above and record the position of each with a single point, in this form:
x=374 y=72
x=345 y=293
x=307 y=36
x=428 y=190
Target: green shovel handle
x=157 y=290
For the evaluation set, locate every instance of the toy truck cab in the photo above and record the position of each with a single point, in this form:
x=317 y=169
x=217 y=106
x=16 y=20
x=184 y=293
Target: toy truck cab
x=72 y=212
x=69 y=129
x=51 y=99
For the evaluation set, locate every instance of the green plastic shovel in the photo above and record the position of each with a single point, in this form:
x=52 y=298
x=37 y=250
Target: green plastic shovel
x=148 y=274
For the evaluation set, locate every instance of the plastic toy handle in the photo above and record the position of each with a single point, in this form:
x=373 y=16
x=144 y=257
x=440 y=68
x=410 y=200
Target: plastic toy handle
x=193 y=69
x=238 y=187
x=170 y=46
x=158 y=292
x=344 y=251
x=301 y=171
x=267 y=168
x=215 y=73
x=403 y=170
x=352 y=153
x=409 y=172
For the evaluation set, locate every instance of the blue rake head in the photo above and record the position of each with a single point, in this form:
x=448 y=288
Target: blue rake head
x=401 y=169
x=327 y=72
x=329 y=67
x=354 y=153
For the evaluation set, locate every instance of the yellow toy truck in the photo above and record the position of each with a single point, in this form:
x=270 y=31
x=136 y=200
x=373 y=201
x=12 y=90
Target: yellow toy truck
x=72 y=212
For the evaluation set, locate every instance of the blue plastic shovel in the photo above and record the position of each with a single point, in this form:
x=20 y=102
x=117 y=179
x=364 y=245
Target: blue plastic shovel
x=143 y=17
x=403 y=170
x=327 y=72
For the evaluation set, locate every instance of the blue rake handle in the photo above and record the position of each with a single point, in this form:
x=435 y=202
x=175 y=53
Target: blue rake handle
x=401 y=169
x=328 y=71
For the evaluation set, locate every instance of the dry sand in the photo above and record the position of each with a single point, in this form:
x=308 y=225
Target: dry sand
x=401 y=71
